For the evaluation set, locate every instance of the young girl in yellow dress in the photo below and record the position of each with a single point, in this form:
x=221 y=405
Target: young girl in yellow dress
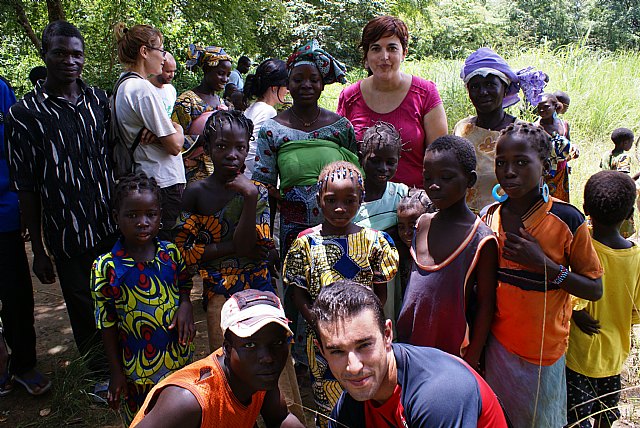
x=336 y=249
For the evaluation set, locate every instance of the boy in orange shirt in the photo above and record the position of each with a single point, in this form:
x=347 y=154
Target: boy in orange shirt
x=236 y=383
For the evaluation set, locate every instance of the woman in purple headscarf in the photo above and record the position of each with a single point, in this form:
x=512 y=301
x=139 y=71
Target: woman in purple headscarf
x=492 y=86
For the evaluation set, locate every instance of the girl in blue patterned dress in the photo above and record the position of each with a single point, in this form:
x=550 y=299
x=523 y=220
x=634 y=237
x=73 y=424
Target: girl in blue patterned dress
x=141 y=291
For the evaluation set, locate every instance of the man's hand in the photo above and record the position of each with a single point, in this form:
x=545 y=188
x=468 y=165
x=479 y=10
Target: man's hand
x=43 y=269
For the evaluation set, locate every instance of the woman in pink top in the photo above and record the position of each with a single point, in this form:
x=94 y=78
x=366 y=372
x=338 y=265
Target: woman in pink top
x=410 y=103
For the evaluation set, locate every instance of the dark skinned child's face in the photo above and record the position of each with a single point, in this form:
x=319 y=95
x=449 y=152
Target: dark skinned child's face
x=518 y=166
x=258 y=360
x=546 y=108
x=228 y=152
x=380 y=165
x=339 y=201
x=139 y=218
x=627 y=144
x=407 y=224
x=444 y=179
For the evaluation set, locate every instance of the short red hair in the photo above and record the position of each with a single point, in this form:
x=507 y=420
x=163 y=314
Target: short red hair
x=383 y=26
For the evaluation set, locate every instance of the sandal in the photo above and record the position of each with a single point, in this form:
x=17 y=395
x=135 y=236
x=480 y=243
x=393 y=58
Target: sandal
x=100 y=392
x=6 y=384
x=34 y=385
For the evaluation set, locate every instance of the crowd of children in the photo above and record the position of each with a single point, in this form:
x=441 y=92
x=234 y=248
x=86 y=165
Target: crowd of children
x=531 y=294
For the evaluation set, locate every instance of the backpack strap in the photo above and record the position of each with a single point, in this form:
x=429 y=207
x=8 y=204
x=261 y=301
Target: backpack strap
x=126 y=76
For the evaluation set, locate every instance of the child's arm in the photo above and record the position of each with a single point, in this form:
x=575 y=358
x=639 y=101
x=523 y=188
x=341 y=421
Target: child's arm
x=245 y=237
x=487 y=281
x=117 y=381
x=526 y=250
x=384 y=260
x=183 y=318
x=106 y=321
x=302 y=300
x=585 y=322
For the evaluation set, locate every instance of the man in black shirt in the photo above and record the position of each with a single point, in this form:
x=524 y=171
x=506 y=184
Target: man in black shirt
x=56 y=137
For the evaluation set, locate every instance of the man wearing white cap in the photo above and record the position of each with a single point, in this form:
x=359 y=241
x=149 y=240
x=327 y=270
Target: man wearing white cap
x=230 y=387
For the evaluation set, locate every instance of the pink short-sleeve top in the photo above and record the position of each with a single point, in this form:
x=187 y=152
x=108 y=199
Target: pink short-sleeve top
x=408 y=118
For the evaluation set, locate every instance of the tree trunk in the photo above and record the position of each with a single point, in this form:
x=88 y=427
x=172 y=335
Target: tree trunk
x=55 y=10
x=22 y=19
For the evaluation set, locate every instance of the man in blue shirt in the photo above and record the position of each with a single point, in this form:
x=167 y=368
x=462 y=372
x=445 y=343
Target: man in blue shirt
x=16 y=290
x=393 y=384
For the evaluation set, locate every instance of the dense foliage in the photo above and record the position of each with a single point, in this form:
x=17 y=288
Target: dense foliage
x=263 y=28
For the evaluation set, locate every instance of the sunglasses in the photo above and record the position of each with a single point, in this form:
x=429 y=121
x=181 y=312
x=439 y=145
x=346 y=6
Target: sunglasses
x=164 y=53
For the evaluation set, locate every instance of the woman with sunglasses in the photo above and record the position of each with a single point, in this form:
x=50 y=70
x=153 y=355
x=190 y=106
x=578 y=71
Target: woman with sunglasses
x=140 y=115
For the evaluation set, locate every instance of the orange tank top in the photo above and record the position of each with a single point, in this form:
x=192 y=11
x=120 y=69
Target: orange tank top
x=220 y=408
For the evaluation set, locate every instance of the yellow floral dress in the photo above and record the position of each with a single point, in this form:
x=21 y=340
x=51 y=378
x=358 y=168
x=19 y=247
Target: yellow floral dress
x=368 y=257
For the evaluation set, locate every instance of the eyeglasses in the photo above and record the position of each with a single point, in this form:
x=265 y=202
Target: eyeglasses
x=164 y=53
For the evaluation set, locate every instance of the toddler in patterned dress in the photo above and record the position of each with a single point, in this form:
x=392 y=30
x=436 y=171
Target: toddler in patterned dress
x=141 y=293
x=336 y=249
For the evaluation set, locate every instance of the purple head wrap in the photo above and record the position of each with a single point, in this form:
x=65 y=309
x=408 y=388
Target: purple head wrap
x=485 y=61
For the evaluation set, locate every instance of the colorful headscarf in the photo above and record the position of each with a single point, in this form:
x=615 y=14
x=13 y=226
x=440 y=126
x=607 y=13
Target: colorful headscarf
x=485 y=61
x=330 y=68
x=198 y=56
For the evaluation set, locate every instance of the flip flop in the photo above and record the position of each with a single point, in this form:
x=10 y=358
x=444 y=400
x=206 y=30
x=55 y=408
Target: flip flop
x=6 y=384
x=100 y=391
x=33 y=385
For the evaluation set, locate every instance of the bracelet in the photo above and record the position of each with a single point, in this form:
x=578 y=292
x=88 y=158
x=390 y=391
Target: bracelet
x=562 y=275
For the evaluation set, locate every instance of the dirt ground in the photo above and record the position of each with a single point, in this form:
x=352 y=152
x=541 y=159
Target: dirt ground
x=56 y=353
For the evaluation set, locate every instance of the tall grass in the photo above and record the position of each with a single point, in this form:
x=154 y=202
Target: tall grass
x=604 y=90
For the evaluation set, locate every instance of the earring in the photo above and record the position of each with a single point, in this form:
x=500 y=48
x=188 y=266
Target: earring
x=544 y=190
x=498 y=198
x=160 y=225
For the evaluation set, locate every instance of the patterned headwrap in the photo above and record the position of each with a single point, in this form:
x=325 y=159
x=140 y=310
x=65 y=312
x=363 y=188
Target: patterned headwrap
x=485 y=61
x=198 y=56
x=330 y=68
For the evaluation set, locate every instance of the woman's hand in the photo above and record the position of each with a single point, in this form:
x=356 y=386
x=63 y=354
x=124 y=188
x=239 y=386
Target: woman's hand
x=183 y=319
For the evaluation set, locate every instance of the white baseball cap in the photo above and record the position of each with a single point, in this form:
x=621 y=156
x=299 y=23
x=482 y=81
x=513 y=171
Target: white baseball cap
x=247 y=311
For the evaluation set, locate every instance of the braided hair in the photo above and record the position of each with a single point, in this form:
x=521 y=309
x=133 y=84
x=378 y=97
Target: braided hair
x=340 y=170
x=379 y=136
x=417 y=200
x=535 y=135
x=138 y=182
x=213 y=128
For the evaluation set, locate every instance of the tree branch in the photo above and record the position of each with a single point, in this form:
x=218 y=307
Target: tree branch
x=55 y=10
x=22 y=19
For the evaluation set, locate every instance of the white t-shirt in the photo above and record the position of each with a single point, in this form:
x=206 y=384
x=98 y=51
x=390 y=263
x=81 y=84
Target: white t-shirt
x=258 y=112
x=236 y=79
x=168 y=96
x=139 y=106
